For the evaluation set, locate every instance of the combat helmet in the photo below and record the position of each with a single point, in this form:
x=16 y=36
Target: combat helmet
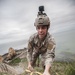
x=42 y=18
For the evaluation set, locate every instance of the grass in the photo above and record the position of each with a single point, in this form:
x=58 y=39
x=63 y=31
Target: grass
x=15 y=61
x=63 y=68
x=4 y=74
x=58 y=68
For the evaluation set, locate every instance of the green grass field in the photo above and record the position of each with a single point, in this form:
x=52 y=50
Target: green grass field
x=58 y=68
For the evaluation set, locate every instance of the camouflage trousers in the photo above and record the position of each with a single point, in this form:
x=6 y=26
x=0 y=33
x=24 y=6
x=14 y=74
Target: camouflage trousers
x=36 y=56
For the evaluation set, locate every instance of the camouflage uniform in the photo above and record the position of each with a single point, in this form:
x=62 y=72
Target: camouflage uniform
x=45 y=48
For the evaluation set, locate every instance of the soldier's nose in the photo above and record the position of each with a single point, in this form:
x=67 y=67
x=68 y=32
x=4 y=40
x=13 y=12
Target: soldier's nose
x=40 y=29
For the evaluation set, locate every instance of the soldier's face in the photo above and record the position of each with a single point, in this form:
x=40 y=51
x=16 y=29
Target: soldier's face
x=42 y=31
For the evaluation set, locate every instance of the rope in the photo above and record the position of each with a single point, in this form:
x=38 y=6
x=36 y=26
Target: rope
x=31 y=73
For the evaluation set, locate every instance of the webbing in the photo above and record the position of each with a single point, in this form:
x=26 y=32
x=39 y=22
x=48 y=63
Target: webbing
x=31 y=73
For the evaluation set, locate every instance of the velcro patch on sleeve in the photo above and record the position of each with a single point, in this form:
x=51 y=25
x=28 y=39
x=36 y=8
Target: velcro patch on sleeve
x=50 y=46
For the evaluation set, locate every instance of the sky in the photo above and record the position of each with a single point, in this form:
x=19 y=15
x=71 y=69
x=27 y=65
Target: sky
x=17 y=22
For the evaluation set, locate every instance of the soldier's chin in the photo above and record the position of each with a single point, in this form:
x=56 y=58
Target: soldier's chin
x=41 y=36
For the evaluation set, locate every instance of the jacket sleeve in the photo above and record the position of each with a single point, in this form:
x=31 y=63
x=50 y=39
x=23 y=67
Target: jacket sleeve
x=50 y=54
x=29 y=51
x=51 y=47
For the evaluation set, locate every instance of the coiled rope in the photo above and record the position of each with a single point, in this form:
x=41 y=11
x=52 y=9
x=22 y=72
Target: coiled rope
x=31 y=73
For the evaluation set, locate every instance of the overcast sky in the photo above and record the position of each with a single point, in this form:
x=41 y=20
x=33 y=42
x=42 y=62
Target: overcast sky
x=17 y=18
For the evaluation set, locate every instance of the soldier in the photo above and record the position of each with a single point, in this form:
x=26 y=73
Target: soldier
x=11 y=53
x=41 y=43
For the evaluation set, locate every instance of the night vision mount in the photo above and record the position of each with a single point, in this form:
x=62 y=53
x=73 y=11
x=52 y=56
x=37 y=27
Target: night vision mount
x=41 y=9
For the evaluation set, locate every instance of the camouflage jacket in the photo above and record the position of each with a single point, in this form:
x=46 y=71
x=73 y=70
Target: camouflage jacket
x=46 y=46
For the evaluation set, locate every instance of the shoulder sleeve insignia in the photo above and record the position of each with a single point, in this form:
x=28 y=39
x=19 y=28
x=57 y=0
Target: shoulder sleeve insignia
x=50 y=46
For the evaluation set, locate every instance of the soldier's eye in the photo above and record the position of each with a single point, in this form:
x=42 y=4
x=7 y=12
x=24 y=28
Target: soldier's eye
x=43 y=27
